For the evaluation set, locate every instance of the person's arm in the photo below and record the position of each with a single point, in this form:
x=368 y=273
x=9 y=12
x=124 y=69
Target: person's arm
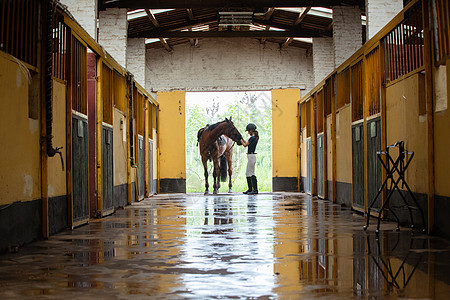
x=244 y=143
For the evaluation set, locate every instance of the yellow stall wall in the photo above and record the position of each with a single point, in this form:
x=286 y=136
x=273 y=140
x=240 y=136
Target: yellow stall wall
x=405 y=124
x=344 y=145
x=285 y=142
x=155 y=155
x=19 y=135
x=303 y=154
x=329 y=150
x=286 y=265
x=172 y=141
x=120 y=147
x=57 y=185
x=442 y=133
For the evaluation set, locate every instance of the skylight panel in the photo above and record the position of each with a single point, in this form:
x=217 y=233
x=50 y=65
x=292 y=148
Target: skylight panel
x=305 y=40
x=139 y=13
x=293 y=9
x=149 y=41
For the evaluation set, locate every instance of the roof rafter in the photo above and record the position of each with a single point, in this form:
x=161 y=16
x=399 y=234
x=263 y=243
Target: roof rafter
x=152 y=18
x=314 y=32
x=230 y=34
x=197 y=22
x=165 y=44
x=191 y=18
x=254 y=4
x=267 y=17
x=302 y=15
x=287 y=42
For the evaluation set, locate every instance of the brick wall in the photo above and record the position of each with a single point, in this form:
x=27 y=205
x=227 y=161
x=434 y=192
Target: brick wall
x=112 y=36
x=136 y=59
x=229 y=64
x=347 y=32
x=379 y=13
x=85 y=12
x=323 y=58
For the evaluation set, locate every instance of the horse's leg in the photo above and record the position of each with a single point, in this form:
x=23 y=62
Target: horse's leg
x=216 y=176
x=205 y=167
x=229 y=156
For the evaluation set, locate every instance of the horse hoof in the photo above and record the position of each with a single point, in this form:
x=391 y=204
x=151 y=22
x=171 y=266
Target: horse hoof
x=230 y=191
x=215 y=192
x=206 y=193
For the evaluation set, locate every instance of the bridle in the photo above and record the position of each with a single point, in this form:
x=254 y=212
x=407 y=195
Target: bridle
x=235 y=132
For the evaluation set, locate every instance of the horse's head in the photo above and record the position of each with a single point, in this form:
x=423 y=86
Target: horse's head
x=232 y=132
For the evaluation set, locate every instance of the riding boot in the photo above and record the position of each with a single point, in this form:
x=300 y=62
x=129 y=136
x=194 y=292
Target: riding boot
x=255 y=186
x=249 y=183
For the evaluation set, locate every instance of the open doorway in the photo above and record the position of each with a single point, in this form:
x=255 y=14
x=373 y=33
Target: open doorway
x=243 y=107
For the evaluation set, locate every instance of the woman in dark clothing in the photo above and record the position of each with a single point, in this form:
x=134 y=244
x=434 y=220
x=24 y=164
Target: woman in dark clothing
x=251 y=159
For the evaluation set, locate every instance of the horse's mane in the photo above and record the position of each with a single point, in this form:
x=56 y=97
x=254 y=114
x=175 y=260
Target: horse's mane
x=213 y=126
x=207 y=127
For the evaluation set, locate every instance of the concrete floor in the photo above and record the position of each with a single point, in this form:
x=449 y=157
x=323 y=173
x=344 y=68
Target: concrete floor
x=286 y=246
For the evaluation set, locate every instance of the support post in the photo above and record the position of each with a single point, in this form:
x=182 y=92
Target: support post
x=428 y=61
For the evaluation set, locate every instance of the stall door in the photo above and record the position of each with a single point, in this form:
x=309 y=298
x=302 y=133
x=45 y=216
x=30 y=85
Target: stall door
x=320 y=166
x=358 y=164
x=141 y=167
x=107 y=172
x=150 y=167
x=80 y=178
x=374 y=177
x=308 y=187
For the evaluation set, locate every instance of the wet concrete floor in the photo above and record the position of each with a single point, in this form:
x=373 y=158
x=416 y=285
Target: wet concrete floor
x=286 y=246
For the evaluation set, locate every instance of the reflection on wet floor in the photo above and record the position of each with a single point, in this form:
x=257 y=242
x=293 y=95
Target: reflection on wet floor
x=192 y=246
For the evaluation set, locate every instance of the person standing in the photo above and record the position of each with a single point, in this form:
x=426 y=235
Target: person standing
x=251 y=159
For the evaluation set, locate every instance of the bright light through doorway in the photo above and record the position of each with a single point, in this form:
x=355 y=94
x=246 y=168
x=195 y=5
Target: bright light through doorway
x=204 y=108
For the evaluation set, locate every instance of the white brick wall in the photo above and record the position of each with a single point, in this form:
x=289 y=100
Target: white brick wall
x=136 y=59
x=323 y=58
x=112 y=36
x=347 y=32
x=228 y=64
x=379 y=13
x=85 y=12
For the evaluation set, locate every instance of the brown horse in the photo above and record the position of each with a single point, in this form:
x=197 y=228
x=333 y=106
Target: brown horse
x=216 y=141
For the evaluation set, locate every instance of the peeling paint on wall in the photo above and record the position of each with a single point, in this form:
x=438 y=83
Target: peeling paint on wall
x=441 y=89
x=18 y=78
x=27 y=185
x=51 y=191
x=33 y=125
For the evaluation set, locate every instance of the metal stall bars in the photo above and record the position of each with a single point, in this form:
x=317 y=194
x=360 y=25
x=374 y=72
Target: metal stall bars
x=107 y=195
x=321 y=140
x=79 y=148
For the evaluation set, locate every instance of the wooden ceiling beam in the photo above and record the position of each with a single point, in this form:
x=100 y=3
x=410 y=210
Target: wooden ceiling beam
x=263 y=40
x=281 y=26
x=302 y=15
x=186 y=25
x=268 y=17
x=191 y=18
x=286 y=43
x=303 y=33
x=254 y=4
x=269 y=13
x=190 y=14
x=166 y=45
x=152 y=18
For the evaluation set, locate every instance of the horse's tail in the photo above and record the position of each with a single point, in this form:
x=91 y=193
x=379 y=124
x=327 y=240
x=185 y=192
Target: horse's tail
x=223 y=168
